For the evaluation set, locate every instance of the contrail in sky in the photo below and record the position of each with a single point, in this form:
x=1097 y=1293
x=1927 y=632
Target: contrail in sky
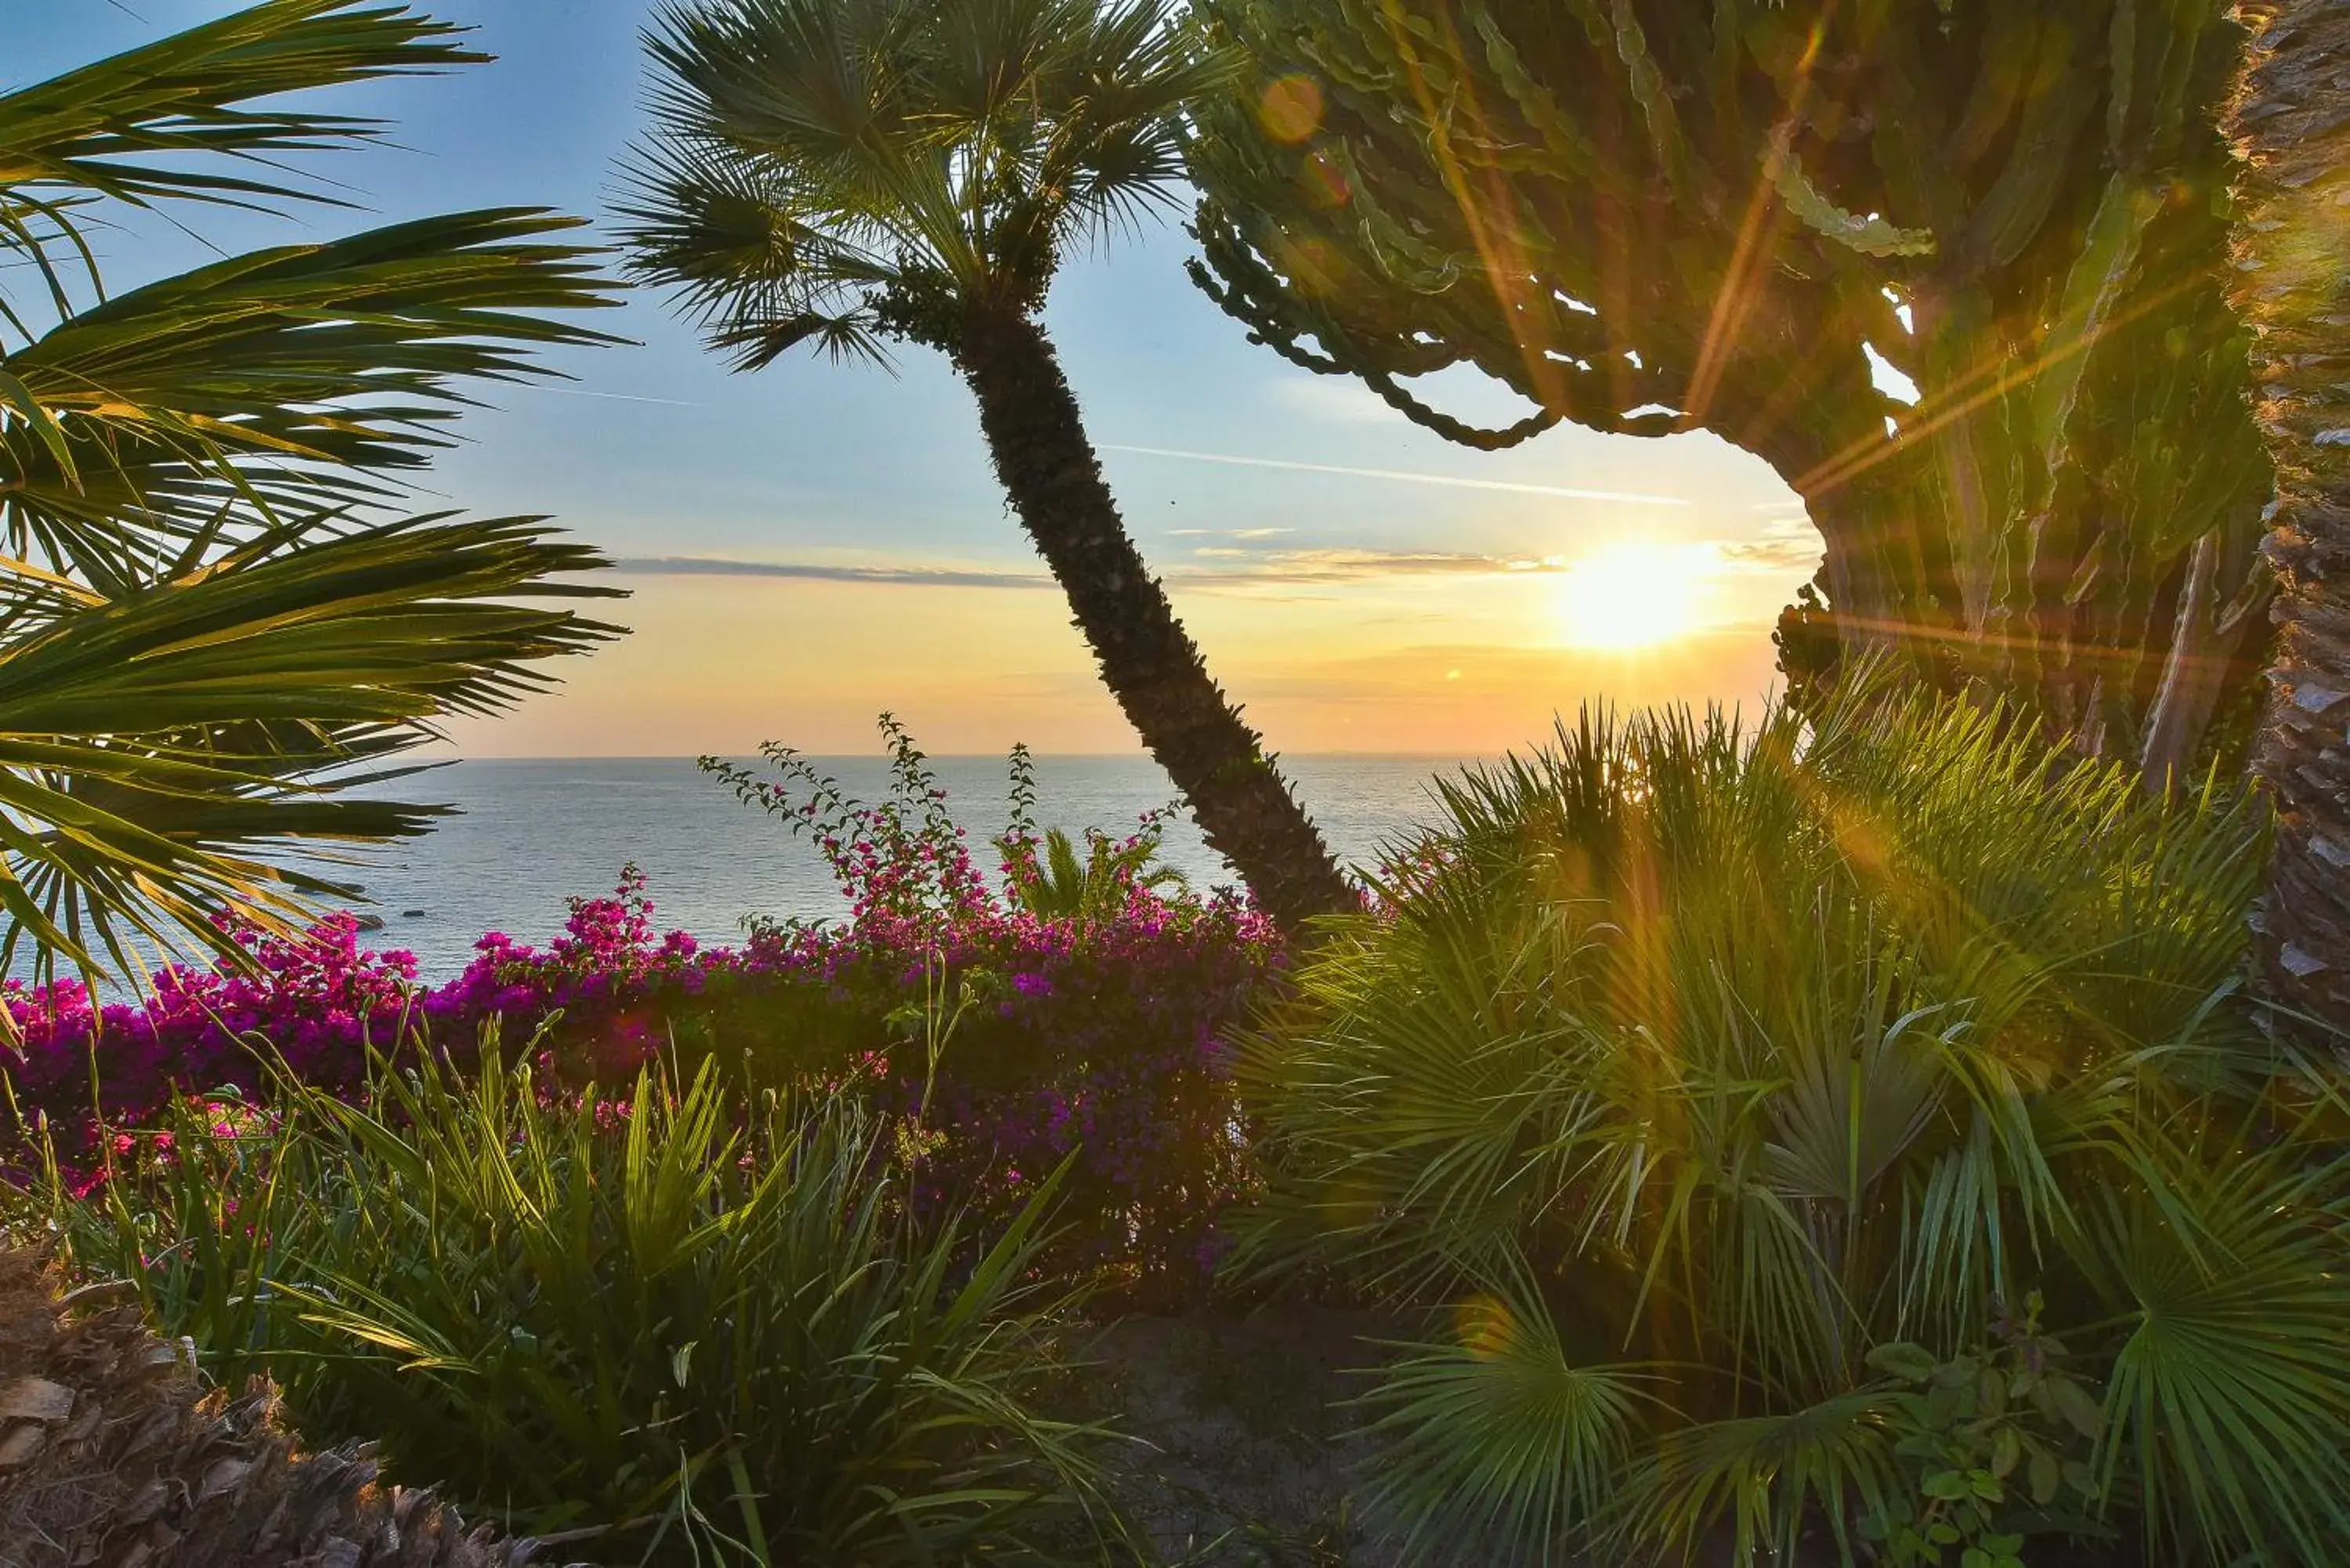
x=611 y=396
x=1632 y=497
x=827 y=572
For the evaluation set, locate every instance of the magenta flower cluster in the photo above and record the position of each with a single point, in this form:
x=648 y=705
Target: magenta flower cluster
x=1014 y=1039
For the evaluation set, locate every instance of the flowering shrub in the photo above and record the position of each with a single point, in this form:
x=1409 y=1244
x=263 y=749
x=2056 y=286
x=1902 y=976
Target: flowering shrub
x=1010 y=1022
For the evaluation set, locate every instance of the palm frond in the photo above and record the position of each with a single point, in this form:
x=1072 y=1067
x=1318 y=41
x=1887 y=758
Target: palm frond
x=155 y=746
x=1770 y=1476
x=815 y=163
x=275 y=383
x=739 y=258
x=2235 y=1371
x=212 y=624
x=121 y=128
x=1494 y=1444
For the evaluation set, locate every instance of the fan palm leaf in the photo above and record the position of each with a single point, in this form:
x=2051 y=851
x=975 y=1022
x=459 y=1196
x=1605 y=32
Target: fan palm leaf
x=2228 y=1274
x=151 y=745
x=1556 y=1435
x=214 y=619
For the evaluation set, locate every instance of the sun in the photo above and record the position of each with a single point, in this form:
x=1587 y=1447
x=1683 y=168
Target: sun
x=1630 y=597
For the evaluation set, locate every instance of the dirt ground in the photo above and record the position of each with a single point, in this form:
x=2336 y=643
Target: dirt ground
x=1243 y=1456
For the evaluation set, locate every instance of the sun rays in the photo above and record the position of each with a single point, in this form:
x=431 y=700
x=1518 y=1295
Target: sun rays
x=1633 y=595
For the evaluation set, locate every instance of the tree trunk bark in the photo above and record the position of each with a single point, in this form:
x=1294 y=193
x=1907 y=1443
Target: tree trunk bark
x=2290 y=122
x=1049 y=471
x=112 y=1455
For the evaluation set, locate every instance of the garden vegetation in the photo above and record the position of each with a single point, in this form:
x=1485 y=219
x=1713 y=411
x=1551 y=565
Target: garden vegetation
x=1891 y=1130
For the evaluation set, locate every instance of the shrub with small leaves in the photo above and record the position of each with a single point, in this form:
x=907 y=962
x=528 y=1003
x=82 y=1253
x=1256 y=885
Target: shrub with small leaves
x=1995 y=1446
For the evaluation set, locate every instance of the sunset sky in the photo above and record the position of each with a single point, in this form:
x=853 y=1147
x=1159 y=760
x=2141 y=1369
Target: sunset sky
x=813 y=544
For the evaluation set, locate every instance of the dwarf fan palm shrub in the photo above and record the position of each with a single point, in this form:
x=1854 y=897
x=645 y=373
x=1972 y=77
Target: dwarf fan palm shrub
x=1048 y=879
x=1837 y=1134
x=683 y=1325
x=1052 y=882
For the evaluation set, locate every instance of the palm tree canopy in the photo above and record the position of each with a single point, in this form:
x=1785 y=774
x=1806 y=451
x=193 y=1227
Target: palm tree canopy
x=845 y=171
x=214 y=617
x=839 y=171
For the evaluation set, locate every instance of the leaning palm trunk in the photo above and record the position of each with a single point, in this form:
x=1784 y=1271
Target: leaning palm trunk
x=845 y=175
x=1048 y=468
x=111 y=1457
x=2292 y=125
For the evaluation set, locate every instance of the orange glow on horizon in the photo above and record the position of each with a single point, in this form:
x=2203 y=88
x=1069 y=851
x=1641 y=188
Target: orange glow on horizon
x=1467 y=669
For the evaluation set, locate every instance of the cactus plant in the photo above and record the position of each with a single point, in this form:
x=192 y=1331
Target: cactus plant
x=1651 y=217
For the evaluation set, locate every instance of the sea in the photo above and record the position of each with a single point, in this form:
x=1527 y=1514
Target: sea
x=529 y=834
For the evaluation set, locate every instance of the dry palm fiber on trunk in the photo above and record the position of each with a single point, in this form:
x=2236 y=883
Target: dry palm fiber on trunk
x=112 y=1456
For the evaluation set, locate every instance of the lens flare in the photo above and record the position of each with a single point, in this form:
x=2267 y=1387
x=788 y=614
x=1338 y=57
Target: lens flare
x=1291 y=109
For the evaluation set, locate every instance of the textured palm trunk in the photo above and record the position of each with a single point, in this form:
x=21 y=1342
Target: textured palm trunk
x=1049 y=469
x=112 y=1456
x=2292 y=126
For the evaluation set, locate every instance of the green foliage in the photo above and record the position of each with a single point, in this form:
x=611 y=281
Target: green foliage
x=1995 y=1446
x=838 y=172
x=212 y=620
x=1048 y=880
x=1741 y=1074
x=1647 y=217
x=1554 y=1435
x=711 y=1329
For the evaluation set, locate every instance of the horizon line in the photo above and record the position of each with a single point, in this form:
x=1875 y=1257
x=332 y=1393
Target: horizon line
x=689 y=757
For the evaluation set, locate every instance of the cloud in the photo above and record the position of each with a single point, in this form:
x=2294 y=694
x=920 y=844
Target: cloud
x=1297 y=568
x=1500 y=690
x=1270 y=569
x=911 y=576
x=1229 y=567
x=1228 y=532
x=1401 y=476
x=1772 y=554
x=609 y=397
x=1788 y=543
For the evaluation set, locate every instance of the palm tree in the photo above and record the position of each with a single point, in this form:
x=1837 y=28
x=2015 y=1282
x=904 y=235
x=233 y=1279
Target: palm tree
x=2293 y=286
x=214 y=617
x=841 y=173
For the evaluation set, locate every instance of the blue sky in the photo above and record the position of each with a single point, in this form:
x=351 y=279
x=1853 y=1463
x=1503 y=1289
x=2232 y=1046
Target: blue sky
x=1350 y=610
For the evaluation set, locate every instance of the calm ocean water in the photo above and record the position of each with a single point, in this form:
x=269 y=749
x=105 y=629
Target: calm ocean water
x=534 y=832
